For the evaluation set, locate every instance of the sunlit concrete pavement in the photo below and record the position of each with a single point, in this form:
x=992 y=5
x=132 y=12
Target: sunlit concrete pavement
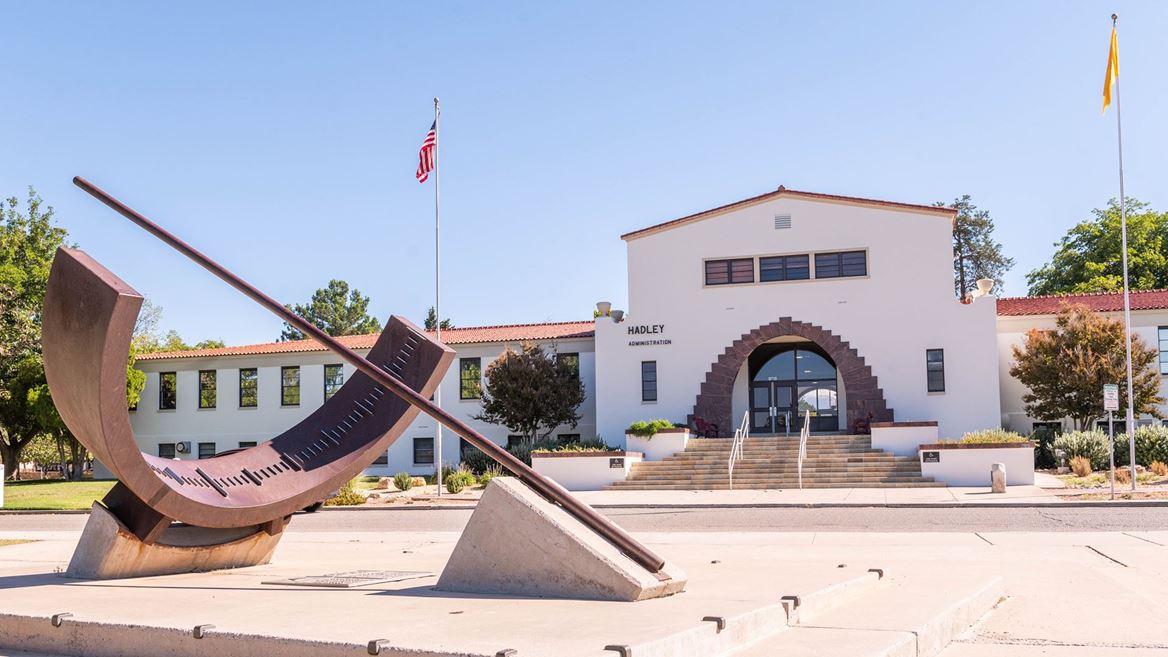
x=1070 y=594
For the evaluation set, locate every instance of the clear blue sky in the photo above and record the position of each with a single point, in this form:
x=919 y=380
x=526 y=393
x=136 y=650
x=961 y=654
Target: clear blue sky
x=281 y=138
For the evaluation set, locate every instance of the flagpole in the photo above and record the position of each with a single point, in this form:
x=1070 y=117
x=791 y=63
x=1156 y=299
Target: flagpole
x=438 y=295
x=1129 y=429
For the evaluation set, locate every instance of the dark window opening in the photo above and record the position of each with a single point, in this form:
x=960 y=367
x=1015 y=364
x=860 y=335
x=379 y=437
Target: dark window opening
x=207 y=392
x=166 y=450
x=570 y=361
x=248 y=387
x=725 y=272
x=649 y=380
x=244 y=444
x=842 y=264
x=784 y=268
x=935 y=369
x=167 y=391
x=423 y=451
x=206 y=450
x=334 y=378
x=290 y=386
x=470 y=373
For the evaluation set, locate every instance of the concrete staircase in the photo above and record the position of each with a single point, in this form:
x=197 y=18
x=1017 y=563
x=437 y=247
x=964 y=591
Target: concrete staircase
x=833 y=461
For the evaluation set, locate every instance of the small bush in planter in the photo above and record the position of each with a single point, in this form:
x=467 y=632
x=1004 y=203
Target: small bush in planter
x=1081 y=466
x=347 y=496
x=1089 y=444
x=991 y=436
x=1159 y=468
x=457 y=481
x=492 y=471
x=648 y=428
x=403 y=481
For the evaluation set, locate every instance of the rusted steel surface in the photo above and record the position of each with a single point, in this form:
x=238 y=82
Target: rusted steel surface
x=88 y=321
x=416 y=398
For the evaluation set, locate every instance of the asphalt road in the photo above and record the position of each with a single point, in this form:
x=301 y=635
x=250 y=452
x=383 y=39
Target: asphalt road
x=836 y=519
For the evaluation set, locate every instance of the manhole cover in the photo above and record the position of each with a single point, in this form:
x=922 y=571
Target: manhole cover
x=352 y=578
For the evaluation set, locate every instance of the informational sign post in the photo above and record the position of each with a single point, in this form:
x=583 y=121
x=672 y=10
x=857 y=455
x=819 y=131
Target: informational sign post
x=1111 y=404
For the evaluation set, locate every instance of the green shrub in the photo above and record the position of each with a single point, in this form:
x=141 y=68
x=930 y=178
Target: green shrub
x=403 y=481
x=457 y=481
x=1043 y=438
x=347 y=496
x=1151 y=445
x=648 y=428
x=476 y=460
x=589 y=445
x=492 y=471
x=997 y=435
x=1089 y=444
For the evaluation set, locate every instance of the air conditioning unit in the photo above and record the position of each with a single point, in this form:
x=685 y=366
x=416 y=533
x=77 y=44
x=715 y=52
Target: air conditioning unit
x=183 y=447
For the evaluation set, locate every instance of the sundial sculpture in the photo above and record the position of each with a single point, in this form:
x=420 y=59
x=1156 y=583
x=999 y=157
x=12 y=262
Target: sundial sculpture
x=233 y=508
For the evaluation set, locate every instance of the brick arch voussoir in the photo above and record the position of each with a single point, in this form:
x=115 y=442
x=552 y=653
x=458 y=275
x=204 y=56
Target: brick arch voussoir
x=863 y=395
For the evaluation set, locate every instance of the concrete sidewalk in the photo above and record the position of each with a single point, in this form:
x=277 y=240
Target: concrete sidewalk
x=1069 y=594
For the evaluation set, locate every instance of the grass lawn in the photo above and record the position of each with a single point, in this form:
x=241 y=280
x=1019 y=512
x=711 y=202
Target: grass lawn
x=53 y=495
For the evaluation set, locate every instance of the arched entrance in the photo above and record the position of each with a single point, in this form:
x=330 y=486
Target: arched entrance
x=863 y=393
x=789 y=382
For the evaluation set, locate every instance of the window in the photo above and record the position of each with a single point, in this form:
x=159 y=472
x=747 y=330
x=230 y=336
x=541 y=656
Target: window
x=166 y=450
x=290 y=386
x=334 y=378
x=514 y=441
x=469 y=377
x=244 y=444
x=423 y=451
x=206 y=450
x=248 y=380
x=649 y=381
x=838 y=265
x=568 y=438
x=167 y=391
x=207 y=389
x=1162 y=336
x=724 y=272
x=935 y=369
x=784 y=268
x=571 y=361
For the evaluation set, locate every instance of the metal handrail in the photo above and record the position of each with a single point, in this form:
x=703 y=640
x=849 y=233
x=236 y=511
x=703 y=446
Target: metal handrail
x=804 y=434
x=740 y=435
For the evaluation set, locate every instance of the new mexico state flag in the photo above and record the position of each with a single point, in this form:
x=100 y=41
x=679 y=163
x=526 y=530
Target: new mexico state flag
x=1112 y=70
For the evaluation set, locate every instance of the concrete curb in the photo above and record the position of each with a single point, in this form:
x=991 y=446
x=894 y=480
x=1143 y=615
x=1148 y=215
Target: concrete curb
x=701 y=505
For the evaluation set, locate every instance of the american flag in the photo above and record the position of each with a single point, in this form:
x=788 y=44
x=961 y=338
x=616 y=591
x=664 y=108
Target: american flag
x=426 y=154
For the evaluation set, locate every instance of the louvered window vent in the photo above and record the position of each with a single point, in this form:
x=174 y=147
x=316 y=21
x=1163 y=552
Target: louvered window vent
x=782 y=221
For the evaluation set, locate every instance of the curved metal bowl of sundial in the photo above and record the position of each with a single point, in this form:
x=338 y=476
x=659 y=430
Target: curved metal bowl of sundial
x=89 y=317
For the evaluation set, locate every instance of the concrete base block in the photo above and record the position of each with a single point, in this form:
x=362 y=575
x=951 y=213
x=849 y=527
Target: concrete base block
x=518 y=543
x=108 y=550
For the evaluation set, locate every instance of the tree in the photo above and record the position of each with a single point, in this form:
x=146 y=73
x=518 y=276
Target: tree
x=532 y=392
x=975 y=253
x=335 y=310
x=432 y=322
x=1065 y=368
x=1089 y=257
x=28 y=242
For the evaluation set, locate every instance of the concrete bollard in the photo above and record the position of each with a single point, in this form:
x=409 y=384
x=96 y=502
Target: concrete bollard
x=998 y=477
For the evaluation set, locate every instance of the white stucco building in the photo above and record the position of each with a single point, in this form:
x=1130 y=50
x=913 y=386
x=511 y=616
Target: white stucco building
x=761 y=309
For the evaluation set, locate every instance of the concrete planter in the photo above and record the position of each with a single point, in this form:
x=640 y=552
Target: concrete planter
x=585 y=470
x=663 y=444
x=903 y=438
x=969 y=465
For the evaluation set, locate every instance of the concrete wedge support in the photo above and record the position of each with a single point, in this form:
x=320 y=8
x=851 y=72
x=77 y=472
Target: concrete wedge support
x=518 y=543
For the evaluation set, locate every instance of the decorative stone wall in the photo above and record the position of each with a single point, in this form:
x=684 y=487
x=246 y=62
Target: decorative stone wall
x=862 y=392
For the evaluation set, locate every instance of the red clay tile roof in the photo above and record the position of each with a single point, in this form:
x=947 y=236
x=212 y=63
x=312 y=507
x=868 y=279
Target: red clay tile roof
x=783 y=191
x=1097 y=301
x=468 y=335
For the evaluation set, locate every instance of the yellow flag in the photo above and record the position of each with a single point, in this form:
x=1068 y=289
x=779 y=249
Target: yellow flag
x=1112 y=70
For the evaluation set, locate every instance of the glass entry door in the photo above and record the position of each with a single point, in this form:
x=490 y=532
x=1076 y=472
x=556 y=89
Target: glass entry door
x=772 y=407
